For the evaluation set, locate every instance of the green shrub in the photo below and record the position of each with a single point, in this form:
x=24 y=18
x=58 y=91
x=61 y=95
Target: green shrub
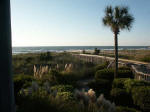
x=35 y=104
x=41 y=102
x=107 y=74
x=101 y=66
x=45 y=56
x=103 y=81
x=145 y=59
x=83 y=52
x=101 y=86
x=126 y=109
x=87 y=72
x=21 y=81
x=62 y=88
x=131 y=83
x=96 y=51
x=52 y=77
x=121 y=97
x=141 y=97
x=125 y=74
x=54 y=73
x=124 y=56
x=29 y=59
x=66 y=96
x=119 y=83
x=68 y=78
x=140 y=92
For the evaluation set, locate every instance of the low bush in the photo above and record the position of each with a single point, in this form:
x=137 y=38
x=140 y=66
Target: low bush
x=124 y=56
x=107 y=74
x=68 y=78
x=83 y=52
x=52 y=77
x=131 y=83
x=39 y=102
x=125 y=74
x=21 y=81
x=101 y=66
x=101 y=86
x=62 y=88
x=66 y=96
x=87 y=72
x=119 y=83
x=125 y=109
x=145 y=59
x=96 y=51
x=140 y=93
x=121 y=97
x=141 y=97
x=45 y=56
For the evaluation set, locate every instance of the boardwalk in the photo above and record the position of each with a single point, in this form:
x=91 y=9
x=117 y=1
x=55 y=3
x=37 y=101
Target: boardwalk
x=136 y=66
x=111 y=59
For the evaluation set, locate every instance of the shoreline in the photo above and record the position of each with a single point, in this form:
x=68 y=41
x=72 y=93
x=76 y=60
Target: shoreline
x=18 y=50
x=75 y=51
x=136 y=55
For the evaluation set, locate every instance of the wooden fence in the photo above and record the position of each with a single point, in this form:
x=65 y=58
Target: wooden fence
x=139 y=74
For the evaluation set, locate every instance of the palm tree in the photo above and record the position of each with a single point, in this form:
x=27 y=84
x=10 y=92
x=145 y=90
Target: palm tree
x=117 y=19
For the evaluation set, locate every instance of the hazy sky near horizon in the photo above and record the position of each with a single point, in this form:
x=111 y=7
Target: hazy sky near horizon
x=75 y=23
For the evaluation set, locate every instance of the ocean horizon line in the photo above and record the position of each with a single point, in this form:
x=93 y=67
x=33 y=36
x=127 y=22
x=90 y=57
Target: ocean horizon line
x=38 y=49
x=89 y=46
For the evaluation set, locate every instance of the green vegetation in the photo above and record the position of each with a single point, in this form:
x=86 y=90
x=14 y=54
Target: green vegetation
x=131 y=92
x=62 y=88
x=101 y=66
x=119 y=83
x=138 y=55
x=96 y=51
x=122 y=90
x=106 y=74
x=126 y=109
x=121 y=97
x=130 y=84
x=141 y=97
x=145 y=59
x=58 y=89
x=21 y=81
x=101 y=86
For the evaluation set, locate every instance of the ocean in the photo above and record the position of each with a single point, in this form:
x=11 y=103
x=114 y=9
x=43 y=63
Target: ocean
x=18 y=50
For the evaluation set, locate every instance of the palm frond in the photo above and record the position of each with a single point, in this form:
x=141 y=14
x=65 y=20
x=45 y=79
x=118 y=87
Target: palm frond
x=109 y=10
x=124 y=11
x=126 y=22
x=117 y=18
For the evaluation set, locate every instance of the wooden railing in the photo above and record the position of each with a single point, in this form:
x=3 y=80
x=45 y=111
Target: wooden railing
x=97 y=58
x=139 y=74
x=131 y=63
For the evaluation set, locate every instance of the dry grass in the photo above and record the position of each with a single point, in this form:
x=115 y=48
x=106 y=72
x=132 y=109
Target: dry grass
x=140 y=55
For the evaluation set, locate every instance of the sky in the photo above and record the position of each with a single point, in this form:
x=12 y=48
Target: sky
x=75 y=23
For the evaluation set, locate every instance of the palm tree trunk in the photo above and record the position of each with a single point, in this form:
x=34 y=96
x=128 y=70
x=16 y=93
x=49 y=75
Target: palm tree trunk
x=116 y=54
x=7 y=103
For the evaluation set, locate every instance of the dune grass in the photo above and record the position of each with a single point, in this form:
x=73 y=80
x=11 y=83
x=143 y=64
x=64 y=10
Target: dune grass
x=138 y=55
